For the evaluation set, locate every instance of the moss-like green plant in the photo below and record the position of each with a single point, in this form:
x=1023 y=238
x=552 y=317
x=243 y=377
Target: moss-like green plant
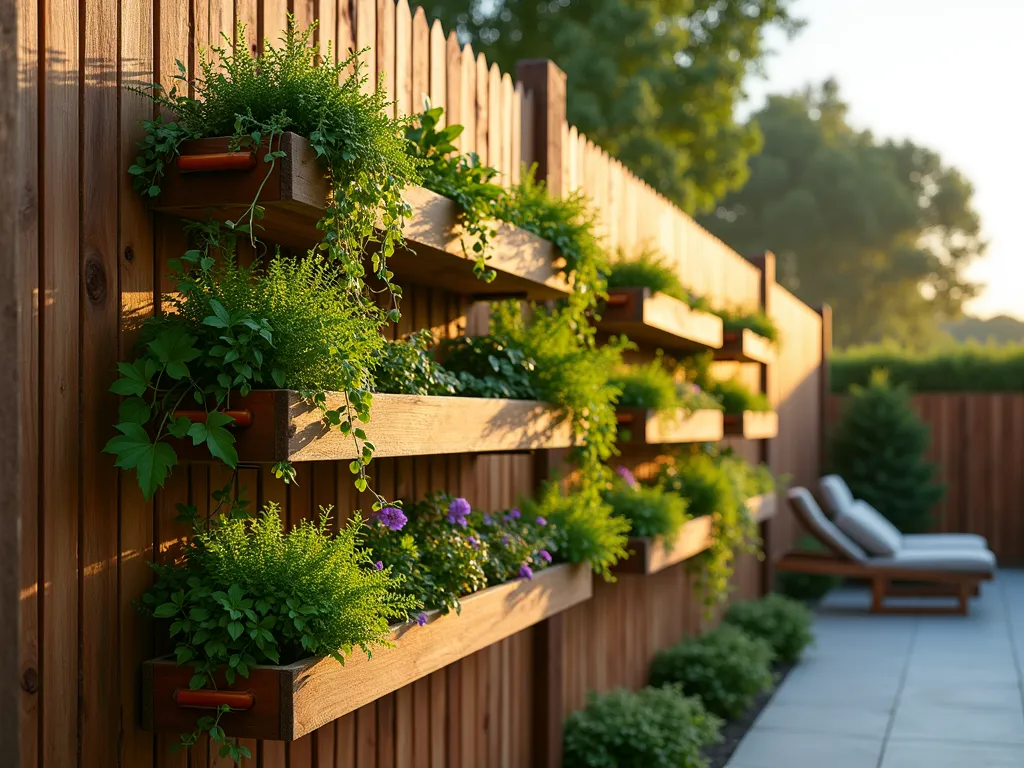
x=734 y=321
x=649 y=269
x=650 y=510
x=650 y=385
x=736 y=397
x=782 y=622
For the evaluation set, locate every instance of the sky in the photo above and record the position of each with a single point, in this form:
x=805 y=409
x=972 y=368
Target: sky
x=946 y=74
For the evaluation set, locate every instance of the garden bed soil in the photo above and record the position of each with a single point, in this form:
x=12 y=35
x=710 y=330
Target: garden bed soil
x=733 y=731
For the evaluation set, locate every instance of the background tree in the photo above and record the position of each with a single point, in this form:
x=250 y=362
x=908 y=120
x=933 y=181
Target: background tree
x=882 y=231
x=654 y=82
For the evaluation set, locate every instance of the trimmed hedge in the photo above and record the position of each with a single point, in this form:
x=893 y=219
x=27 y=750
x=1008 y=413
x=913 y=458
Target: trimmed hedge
x=961 y=368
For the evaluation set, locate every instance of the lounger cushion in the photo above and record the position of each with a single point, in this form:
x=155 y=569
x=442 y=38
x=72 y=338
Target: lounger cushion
x=823 y=529
x=957 y=560
x=835 y=495
x=944 y=541
x=866 y=526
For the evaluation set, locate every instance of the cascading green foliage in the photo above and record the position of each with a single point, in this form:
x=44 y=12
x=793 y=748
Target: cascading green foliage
x=408 y=367
x=653 y=728
x=716 y=485
x=878 y=447
x=247 y=592
x=650 y=510
x=490 y=366
x=231 y=329
x=782 y=622
x=736 y=397
x=735 y=320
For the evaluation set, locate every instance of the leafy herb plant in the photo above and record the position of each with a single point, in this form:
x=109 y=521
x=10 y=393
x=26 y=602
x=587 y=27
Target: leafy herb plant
x=650 y=510
x=736 y=397
x=408 y=367
x=246 y=592
x=491 y=366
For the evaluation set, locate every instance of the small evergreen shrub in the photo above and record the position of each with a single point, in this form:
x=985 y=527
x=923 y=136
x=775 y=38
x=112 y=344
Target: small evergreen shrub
x=651 y=511
x=878 y=447
x=807 y=587
x=726 y=669
x=782 y=622
x=652 y=728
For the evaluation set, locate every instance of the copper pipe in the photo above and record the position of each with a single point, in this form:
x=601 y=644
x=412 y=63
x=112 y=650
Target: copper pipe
x=217 y=161
x=242 y=417
x=618 y=300
x=207 y=699
x=624 y=418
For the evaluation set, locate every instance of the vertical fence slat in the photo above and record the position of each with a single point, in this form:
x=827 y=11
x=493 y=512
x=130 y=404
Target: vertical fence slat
x=467 y=115
x=405 y=103
x=420 y=59
x=365 y=31
x=438 y=68
x=385 y=49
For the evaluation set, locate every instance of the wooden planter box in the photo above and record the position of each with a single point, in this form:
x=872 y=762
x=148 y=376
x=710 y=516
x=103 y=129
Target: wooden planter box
x=650 y=555
x=284 y=427
x=643 y=426
x=288 y=702
x=659 y=320
x=294 y=197
x=764 y=506
x=746 y=347
x=752 y=425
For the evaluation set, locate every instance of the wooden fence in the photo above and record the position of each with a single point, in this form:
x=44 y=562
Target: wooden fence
x=976 y=442
x=89 y=263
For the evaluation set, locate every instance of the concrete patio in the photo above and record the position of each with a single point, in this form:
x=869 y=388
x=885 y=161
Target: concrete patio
x=901 y=692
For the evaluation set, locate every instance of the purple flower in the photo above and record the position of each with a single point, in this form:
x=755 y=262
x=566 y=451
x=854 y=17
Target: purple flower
x=505 y=540
x=541 y=522
x=379 y=565
x=488 y=520
x=525 y=572
x=473 y=542
x=514 y=514
x=457 y=512
x=626 y=475
x=421 y=619
x=391 y=517
x=696 y=389
x=544 y=555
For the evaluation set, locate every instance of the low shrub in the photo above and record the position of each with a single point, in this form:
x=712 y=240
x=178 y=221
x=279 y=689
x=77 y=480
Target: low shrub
x=408 y=367
x=652 y=728
x=651 y=511
x=726 y=668
x=807 y=587
x=490 y=366
x=650 y=385
x=782 y=622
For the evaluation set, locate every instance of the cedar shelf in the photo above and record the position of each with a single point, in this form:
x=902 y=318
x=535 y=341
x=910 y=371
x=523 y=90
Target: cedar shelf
x=651 y=554
x=659 y=320
x=645 y=426
x=294 y=195
x=745 y=346
x=284 y=427
x=752 y=425
x=287 y=702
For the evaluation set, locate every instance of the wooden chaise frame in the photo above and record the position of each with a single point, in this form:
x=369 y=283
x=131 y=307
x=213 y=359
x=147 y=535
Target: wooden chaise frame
x=893 y=581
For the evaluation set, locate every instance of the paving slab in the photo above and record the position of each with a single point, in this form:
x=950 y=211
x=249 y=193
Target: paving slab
x=915 y=753
x=841 y=718
x=1003 y=725
x=764 y=748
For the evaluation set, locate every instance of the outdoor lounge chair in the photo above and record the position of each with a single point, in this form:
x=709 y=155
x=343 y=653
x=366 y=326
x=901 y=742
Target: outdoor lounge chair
x=838 y=499
x=903 y=573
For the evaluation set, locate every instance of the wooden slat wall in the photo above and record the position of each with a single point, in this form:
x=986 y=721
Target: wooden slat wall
x=976 y=444
x=92 y=260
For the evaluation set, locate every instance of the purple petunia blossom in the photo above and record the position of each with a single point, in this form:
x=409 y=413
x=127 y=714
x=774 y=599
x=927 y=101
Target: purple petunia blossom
x=525 y=571
x=488 y=520
x=505 y=540
x=391 y=517
x=544 y=555
x=626 y=475
x=421 y=619
x=473 y=542
x=457 y=512
x=541 y=522
x=379 y=565
x=514 y=514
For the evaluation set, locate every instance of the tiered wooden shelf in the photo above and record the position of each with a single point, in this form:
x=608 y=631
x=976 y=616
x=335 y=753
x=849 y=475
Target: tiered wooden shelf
x=294 y=195
x=659 y=320
x=650 y=555
x=752 y=425
x=763 y=507
x=644 y=426
x=746 y=347
x=285 y=703
x=278 y=425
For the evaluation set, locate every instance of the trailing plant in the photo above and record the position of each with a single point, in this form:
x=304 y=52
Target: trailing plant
x=254 y=99
x=654 y=728
x=490 y=366
x=247 y=592
x=408 y=367
x=736 y=397
x=650 y=510
x=734 y=321
x=711 y=486
x=782 y=622
x=461 y=178
x=228 y=330
x=726 y=669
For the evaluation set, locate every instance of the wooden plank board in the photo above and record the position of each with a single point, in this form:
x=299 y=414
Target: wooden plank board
x=651 y=555
x=645 y=426
x=294 y=700
x=286 y=427
x=294 y=193
x=746 y=347
x=752 y=425
x=659 y=320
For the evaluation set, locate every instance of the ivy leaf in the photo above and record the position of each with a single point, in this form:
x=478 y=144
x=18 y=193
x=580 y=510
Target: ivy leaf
x=134 y=378
x=221 y=442
x=134 y=450
x=220 y=317
x=175 y=348
x=165 y=610
x=179 y=427
x=135 y=410
x=235 y=629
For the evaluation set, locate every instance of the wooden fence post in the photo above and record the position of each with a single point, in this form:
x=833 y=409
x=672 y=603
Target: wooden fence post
x=11 y=308
x=824 y=379
x=547 y=82
x=766 y=263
